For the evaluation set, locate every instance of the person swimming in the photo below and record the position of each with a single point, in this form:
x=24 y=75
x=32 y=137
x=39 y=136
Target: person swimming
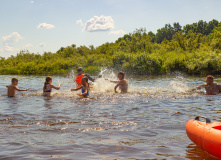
x=48 y=86
x=122 y=83
x=84 y=87
x=210 y=87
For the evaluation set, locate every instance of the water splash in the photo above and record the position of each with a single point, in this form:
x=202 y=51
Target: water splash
x=179 y=84
x=101 y=84
x=148 y=86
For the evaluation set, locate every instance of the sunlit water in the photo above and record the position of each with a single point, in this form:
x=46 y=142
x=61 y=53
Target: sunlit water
x=147 y=123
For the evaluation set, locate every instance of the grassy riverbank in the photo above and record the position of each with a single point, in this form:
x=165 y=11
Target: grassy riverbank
x=194 y=49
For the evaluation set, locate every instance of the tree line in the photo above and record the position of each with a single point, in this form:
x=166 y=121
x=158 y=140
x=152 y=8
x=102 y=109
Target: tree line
x=194 y=49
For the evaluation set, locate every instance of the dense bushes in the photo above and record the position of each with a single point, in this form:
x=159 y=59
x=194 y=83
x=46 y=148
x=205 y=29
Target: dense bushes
x=194 y=50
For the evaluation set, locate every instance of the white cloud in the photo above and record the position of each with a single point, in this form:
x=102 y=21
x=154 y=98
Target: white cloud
x=41 y=44
x=45 y=26
x=9 y=49
x=11 y=39
x=28 y=45
x=8 y=44
x=101 y=23
x=31 y=2
x=117 y=32
x=79 y=22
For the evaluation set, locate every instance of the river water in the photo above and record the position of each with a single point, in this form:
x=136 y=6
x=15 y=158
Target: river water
x=147 y=123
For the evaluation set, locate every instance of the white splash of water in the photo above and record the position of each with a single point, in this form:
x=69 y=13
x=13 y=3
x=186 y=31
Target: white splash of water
x=103 y=84
x=179 y=84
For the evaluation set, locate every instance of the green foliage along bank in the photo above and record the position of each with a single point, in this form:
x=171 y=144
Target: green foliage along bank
x=194 y=49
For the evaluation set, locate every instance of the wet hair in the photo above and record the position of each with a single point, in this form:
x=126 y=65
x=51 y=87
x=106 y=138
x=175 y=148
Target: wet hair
x=14 y=80
x=80 y=69
x=210 y=77
x=48 y=78
x=122 y=73
x=86 y=79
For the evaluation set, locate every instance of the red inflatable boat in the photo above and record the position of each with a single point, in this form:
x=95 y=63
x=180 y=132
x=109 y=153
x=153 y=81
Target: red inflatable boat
x=207 y=135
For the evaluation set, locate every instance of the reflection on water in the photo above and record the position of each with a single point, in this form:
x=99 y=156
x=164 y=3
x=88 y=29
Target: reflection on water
x=195 y=153
x=147 y=123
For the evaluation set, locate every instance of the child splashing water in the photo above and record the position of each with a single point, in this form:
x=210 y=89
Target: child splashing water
x=48 y=86
x=80 y=75
x=84 y=87
x=122 y=83
x=13 y=87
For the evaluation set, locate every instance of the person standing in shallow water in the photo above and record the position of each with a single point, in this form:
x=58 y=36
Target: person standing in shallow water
x=210 y=87
x=48 y=86
x=13 y=87
x=80 y=76
x=122 y=83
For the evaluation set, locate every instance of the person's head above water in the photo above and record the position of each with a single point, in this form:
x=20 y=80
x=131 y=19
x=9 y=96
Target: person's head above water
x=14 y=81
x=80 y=70
x=84 y=81
x=121 y=75
x=48 y=79
x=209 y=79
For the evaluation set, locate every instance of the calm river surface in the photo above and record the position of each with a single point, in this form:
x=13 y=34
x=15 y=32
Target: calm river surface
x=147 y=123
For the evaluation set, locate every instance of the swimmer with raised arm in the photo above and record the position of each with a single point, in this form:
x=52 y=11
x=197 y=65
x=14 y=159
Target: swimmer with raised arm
x=84 y=87
x=13 y=87
x=210 y=87
x=122 y=83
x=48 y=86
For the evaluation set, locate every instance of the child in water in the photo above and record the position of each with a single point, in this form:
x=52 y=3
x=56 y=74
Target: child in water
x=80 y=75
x=84 y=87
x=48 y=86
x=122 y=83
x=13 y=87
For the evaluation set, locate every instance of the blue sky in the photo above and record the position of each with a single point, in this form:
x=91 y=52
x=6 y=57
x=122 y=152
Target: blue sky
x=47 y=25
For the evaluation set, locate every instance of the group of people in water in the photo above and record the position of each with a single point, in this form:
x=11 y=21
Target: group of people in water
x=81 y=82
x=83 y=85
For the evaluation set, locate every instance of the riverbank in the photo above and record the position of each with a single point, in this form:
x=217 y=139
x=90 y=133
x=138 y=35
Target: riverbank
x=158 y=63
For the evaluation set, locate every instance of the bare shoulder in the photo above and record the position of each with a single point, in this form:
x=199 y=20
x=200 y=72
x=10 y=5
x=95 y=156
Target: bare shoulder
x=126 y=82
x=52 y=86
x=12 y=86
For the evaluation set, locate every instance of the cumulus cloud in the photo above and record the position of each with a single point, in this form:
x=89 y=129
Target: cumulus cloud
x=41 y=44
x=5 y=51
x=28 y=45
x=45 y=26
x=11 y=39
x=8 y=43
x=101 y=23
x=79 y=22
x=117 y=32
x=9 y=49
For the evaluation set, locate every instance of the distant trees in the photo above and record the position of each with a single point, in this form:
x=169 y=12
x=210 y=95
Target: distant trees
x=193 y=49
x=201 y=27
x=167 y=32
